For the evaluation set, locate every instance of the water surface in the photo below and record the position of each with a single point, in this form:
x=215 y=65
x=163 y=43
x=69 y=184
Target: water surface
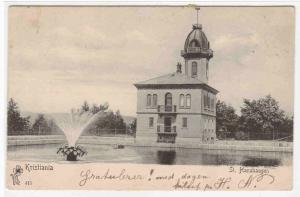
x=152 y=155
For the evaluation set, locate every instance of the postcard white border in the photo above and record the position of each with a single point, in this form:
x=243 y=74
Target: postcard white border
x=3 y=101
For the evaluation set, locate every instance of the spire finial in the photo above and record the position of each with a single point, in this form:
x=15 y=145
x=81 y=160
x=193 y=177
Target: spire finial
x=197 y=8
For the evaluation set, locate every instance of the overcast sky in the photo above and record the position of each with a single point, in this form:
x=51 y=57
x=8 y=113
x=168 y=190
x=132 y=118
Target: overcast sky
x=61 y=56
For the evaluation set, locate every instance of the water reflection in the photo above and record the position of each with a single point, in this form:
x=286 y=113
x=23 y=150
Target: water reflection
x=166 y=157
x=261 y=162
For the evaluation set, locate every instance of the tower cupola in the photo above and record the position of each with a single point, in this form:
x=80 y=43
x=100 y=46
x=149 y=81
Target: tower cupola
x=196 y=44
x=197 y=53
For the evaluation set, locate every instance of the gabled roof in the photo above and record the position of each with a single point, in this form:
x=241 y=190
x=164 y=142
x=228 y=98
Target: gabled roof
x=174 y=80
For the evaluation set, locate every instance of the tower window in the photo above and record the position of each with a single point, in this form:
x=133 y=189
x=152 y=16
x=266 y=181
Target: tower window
x=149 y=100
x=181 y=100
x=194 y=43
x=194 y=69
x=154 y=100
x=188 y=100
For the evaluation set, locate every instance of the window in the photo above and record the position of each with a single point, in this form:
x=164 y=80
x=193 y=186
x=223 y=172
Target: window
x=151 y=122
x=149 y=100
x=154 y=100
x=204 y=100
x=208 y=101
x=184 y=122
x=194 y=69
x=188 y=100
x=194 y=43
x=212 y=104
x=168 y=99
x=207 y=70
x=181 y=100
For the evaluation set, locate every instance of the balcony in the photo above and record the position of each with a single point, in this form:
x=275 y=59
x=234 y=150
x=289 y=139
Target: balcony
x=197 y=50
x=166 y=134
x=166 y=109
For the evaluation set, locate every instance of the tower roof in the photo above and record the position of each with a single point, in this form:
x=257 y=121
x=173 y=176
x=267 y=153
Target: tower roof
x=196 y=38
x=197 y=44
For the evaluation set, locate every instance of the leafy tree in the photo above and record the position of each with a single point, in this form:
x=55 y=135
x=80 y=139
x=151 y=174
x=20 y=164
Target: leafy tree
x=107 y=123
x=226 y=120
x=41 y=126
x=16 y=125
x=85 y=107
x=261 y=118
x=101 y=108
x=285 y=130
x=54 y=128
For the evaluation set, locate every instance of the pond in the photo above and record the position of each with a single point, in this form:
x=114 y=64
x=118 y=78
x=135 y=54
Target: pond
x=152 y=155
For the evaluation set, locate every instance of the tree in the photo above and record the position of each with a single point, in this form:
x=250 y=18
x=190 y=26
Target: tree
x=54 y=128
x=16 y=125
x=261 y=118
x=41 y=126
x=101 y=108
x=132 y=126
x=226 y=120
x=107 y=123
x=85 y=107
x=286 y=129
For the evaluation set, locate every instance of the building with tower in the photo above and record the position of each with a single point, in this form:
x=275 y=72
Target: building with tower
x=180 y=107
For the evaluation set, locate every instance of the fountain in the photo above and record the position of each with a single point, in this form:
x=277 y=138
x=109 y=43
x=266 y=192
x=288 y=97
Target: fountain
x=72 y=126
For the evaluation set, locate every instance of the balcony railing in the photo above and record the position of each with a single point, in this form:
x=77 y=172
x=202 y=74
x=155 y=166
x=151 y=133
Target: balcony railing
x=166 y=134
x=166 y=108
x=166 y=129
x=194 y=50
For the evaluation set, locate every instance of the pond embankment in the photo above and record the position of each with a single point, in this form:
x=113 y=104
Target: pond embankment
x=251 y=145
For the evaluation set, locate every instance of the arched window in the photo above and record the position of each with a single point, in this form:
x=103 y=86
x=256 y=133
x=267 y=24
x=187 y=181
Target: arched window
x=194 y=43
x=168 y=99
x=168 y=102
x=181 y=100
x=188 y=100
x=149 y=100
x=194 y=69
x=154 y=100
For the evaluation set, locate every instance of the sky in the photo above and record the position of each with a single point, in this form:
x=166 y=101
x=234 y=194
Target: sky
x=60 y=56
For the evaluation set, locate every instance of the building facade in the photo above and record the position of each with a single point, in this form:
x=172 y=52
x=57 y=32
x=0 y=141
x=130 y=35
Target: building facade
x=180 y=107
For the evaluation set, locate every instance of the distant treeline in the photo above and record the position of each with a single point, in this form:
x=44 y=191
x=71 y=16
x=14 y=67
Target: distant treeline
x=108 y=123
x=18 y=125
x=260 y=119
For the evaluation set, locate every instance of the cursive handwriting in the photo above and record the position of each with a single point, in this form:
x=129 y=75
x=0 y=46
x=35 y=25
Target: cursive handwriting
x=183 y=181
x=88 y=175
x=252 y=180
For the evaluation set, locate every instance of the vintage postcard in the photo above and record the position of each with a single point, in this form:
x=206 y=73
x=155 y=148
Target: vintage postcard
x=150 y=98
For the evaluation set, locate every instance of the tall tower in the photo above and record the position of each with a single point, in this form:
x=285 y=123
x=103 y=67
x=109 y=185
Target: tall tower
x=197 y=54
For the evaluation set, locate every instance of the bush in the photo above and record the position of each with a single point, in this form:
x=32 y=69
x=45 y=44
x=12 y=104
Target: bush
x=241 y=135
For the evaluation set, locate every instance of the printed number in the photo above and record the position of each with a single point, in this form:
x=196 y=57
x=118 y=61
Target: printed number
x=28 y=182
x=231 y=169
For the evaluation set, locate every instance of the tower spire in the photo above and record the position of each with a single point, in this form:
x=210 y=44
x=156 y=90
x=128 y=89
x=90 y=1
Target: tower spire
x=197 y=8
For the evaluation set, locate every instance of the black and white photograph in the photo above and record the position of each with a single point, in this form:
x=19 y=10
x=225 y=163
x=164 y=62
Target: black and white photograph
x=164 y=86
